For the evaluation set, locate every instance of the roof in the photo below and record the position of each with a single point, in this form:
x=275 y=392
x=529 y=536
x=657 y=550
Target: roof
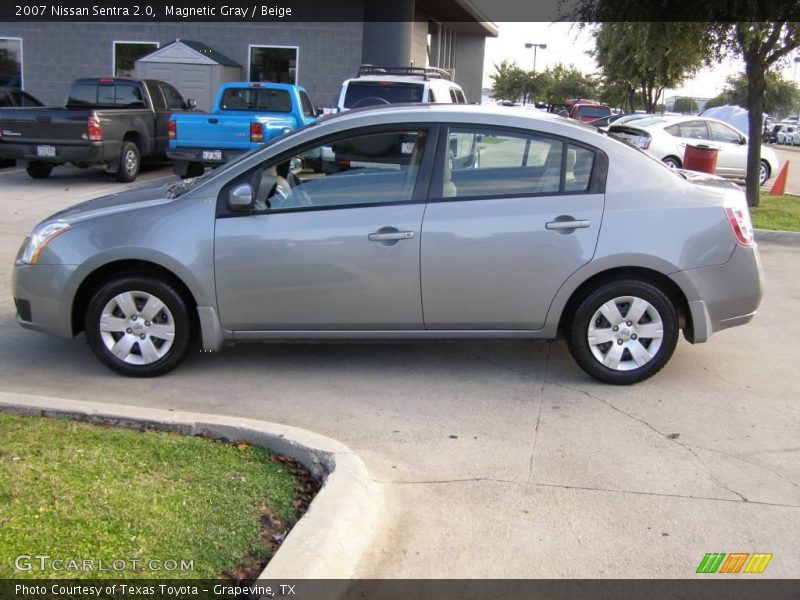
x=462 y=15
x=207 y=52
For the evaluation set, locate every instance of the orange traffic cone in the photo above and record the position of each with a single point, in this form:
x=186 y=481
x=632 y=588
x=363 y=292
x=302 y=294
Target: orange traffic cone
x=779 y=187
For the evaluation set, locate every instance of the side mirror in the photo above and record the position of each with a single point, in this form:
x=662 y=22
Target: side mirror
x=296 y=165
x=743 y=141
x=191 y=103
x=241 y=197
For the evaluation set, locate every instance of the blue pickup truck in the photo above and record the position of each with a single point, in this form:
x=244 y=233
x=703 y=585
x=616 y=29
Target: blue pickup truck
x=245 y=115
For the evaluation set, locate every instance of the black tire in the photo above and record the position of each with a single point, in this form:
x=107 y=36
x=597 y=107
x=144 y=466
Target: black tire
x=581 y=350
x=193 y=169
x=765 y=166
x=38 y=170
x=178 y=312
x=672 y=162
x=130 y=163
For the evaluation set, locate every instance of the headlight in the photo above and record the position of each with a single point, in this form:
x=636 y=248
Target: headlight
x=40 y=237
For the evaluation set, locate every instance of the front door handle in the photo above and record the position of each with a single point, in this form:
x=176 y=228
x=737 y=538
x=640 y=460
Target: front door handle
x=390 y=236
x=567 y=224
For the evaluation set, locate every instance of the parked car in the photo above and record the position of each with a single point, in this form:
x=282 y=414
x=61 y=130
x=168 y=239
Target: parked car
x=410 y=246
x=666 y=137
x=604 y=122
x=586 y=110
x=245 y=115
x=376 y=85
x=114 y=122
x=786 y=134
x=11 y=97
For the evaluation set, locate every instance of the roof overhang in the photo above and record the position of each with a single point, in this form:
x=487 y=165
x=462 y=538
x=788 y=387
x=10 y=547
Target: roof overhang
x=462 y=15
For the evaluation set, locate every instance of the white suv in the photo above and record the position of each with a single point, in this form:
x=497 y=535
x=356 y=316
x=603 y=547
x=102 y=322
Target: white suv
x=394 y=85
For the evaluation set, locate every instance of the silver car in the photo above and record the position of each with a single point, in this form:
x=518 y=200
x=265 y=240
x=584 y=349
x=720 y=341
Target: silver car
x=441 y=221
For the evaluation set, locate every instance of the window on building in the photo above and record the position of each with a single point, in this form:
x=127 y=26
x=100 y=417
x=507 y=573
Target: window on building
x=127 y=53
x=276 y=65
x=10 y=62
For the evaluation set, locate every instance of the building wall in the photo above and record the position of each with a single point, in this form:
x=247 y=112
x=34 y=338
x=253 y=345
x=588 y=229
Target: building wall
x=470 y=50
x=419 y=41
x=56 y=53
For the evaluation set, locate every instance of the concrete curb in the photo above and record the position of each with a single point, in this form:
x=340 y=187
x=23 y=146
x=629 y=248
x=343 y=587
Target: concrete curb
x=788 y=238
x=327 y=542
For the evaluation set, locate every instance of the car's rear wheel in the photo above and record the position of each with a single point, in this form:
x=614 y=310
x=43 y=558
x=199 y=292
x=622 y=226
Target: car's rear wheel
x=624 y=331
x=139 y=326
x=38 y=170
x=672 y=162
x=763 y=173
x=129 y=162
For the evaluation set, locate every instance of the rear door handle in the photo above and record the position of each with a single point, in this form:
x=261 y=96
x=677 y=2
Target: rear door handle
x=391 y=236
x=571 y=224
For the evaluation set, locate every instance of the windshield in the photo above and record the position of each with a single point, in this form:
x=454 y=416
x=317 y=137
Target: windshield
x=179 y=188
x=390 y=91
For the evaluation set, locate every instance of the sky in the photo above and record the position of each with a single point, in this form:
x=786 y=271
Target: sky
x=568 y=44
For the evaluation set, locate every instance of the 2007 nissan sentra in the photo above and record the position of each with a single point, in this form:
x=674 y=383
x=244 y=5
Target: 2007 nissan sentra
x=437 y=222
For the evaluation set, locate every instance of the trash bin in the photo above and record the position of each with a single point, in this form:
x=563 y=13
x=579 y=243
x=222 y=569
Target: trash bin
x=699 y=157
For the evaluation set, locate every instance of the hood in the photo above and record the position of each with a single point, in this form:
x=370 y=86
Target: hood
x=150 y=195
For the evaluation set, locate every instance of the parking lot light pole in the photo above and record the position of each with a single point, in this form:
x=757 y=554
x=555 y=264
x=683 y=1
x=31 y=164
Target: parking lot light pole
x=535 y=47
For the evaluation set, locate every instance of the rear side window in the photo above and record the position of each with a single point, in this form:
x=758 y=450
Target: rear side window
x=578 y=169
x=370 y=93
x=23 y=99
x=501 y=164
x=695 y=130
x=460 y=98
x=156 y=96
x=673 y=130
x=105 y=96
x=256 y=99
x=5 y=100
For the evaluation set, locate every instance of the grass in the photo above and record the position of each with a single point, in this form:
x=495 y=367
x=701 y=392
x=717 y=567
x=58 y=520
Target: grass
x=79 y=491
x=780 y=213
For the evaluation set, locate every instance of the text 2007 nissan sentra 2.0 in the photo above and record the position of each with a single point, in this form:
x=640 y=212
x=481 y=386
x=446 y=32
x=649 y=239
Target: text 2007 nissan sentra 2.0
x=440 y=222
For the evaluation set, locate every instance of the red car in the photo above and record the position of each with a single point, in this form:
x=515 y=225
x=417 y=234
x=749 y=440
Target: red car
x=586 y=110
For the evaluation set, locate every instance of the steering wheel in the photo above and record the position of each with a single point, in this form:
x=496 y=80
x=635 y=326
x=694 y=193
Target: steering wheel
x=370 y=101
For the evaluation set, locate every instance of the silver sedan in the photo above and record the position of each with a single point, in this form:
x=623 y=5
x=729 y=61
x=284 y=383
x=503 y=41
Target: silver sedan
x=428 y=222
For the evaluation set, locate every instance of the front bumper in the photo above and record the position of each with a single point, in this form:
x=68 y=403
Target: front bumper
x=43 y=297
x=722 y=296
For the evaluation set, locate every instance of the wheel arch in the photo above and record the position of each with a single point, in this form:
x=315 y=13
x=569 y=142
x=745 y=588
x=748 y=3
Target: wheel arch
x=649 y=275
x=118 y=268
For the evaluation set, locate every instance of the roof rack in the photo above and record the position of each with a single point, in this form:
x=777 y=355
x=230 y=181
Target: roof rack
x=424 y=72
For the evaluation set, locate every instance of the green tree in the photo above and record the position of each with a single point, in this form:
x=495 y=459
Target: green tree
x=685 y=104
x=651 y=57
x=566 y=82
x=515 y=84
x=780 y=96
x=619 y=94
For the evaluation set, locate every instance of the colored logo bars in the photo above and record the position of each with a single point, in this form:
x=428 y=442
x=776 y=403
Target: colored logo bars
x=736 y=562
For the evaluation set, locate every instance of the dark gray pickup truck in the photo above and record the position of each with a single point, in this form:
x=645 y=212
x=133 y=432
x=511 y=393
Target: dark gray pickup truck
x=106 y=121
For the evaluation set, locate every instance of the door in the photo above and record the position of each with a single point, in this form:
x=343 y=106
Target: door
x=500 y=236
x=335 y=251
x=159 y=109
x=732 y=157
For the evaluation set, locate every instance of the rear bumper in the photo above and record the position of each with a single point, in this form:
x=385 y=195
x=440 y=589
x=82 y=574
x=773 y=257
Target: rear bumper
x=722 y=296
x=93 y=152
x=195 y=155
x=43 y=298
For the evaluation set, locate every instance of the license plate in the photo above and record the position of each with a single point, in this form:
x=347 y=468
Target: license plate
x=212 y=154
x=46 y=151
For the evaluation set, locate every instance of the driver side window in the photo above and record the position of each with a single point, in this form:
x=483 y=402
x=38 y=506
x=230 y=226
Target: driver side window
x=373 y=169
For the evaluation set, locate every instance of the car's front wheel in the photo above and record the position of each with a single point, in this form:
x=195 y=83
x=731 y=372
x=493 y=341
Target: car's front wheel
x=139 y=326
x=624 y=331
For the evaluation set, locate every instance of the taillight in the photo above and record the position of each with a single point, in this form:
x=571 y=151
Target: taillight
x=643 y=142
x=739 y=220
x=256 y=132
x=95 y=133
x=172 y=130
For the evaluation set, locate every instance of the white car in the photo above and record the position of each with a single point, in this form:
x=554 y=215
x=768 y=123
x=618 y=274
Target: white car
x=666 y=138
x=376 y=85
x=787 y=134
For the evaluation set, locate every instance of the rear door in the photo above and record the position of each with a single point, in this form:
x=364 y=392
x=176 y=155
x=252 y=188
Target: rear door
x=732 y=157
x=501 y=235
